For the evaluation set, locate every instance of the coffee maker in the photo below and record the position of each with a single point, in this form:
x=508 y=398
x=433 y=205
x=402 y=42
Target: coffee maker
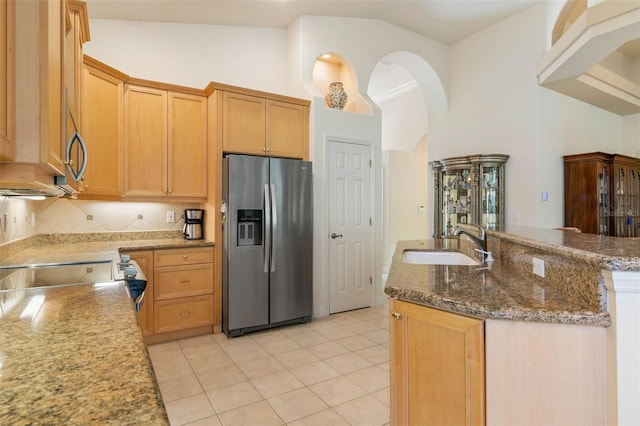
x=193 y=221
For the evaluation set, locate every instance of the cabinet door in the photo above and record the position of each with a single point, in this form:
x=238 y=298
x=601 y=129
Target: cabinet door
x=52 y=105
x=102 y=104
x=437 y=367
x=6 y=80
x=187 y=149
x=287 y=129
x=145 y=315
x=243 y=124
x=145 y=142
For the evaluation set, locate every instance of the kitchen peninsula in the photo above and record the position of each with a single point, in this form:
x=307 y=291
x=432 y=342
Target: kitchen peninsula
x=81 y=358
x=554 y=349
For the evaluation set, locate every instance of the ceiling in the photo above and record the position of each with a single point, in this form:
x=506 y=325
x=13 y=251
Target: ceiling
x=447 y=21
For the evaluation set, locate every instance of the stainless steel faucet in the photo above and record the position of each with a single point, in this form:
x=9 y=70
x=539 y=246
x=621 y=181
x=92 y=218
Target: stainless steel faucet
x=467 y=229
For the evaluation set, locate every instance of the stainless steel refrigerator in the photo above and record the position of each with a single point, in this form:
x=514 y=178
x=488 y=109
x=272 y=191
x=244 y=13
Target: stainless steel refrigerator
x=267 y=243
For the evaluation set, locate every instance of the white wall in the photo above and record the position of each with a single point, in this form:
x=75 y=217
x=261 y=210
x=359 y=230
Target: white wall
x=193 y=55
x=631 y=135
x=496 y=105
x=405 y=183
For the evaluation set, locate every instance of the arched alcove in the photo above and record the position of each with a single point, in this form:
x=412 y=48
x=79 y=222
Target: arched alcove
x=331 y=67
x=405 y=88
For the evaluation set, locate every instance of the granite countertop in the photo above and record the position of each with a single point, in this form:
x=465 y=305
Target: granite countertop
x=503 y=291
x=609 y=253
x=80 y=358
x=51 y=248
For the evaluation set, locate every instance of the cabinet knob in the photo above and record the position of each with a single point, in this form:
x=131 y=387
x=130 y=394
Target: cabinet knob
x=396 y=315
x=184 y=256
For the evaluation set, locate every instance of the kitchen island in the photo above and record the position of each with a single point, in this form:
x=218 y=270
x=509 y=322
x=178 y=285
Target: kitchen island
x=558 y=348
x=79 y=356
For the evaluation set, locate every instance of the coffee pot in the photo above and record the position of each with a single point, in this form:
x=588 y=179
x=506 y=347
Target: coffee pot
x=193 y=222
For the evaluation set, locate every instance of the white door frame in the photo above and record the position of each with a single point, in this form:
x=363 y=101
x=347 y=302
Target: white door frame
x=372 y=211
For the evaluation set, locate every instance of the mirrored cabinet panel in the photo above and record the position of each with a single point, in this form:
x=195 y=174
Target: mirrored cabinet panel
x=468 y=189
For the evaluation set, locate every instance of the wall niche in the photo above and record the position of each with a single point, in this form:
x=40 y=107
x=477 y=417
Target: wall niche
x=330 y=67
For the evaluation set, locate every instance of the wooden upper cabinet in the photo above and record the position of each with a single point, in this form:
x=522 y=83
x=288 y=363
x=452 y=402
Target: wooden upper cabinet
x=437 y=367
x=187 y=149
x=102 y=130
x=165 y=144
x=263 y=124
x=243 y=123
x=47 y=42
x=145 y=142
x=7 y=19
x=287 y=129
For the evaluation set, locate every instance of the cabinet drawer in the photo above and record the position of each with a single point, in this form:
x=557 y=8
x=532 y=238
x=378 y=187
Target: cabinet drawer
x=183 y=281
x=180 y=314
x=186 y=256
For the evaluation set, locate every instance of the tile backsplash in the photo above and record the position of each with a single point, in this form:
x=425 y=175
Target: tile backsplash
x=22 y=218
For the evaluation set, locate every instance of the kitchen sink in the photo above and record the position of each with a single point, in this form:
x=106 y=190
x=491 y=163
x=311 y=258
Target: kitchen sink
x=438 y=258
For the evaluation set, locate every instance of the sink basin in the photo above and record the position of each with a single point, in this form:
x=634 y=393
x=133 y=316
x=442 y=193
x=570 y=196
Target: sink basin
x=438 y=258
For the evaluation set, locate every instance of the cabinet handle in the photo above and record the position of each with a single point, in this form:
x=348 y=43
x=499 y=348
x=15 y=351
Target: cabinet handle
x=396 y=315
x=184 y=256
x=185 y=314
x=185 y=281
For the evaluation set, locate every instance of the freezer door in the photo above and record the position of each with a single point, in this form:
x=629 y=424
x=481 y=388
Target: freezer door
x=245 y=282
x=291 y=289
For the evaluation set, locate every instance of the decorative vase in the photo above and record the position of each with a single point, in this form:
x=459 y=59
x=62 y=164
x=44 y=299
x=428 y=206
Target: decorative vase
x=337 y=97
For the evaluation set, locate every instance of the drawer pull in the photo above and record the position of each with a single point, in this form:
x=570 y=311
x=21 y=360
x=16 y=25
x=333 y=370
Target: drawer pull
x=185 y=281
x=184 y=256
x=396 y=315
x=185 y=314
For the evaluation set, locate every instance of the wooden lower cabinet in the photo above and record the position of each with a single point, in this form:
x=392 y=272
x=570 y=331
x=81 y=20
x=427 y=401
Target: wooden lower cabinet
x=179 y=296
x=437 y=367
x=449 y=369
x=183 y=313
x=183 y=296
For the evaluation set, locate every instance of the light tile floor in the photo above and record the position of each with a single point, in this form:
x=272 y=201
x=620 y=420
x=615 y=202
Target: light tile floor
x=331 y=371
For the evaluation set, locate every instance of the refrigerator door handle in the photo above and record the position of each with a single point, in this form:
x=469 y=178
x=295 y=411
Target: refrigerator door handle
x=267 y=227
x=274 y=227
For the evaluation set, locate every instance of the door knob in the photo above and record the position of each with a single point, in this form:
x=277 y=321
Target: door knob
x=334 y=236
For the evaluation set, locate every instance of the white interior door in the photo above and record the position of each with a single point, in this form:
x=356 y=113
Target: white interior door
x=349 y=201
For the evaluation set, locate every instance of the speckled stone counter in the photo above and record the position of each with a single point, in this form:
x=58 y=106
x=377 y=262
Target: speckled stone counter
x=609 y=253
x=572 y=291
x=46 y=248
x=81 y=358
x=78 y=360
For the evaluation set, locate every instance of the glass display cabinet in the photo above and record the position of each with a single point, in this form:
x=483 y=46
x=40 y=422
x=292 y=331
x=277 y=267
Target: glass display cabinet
x=602 y=193
x=468 y=190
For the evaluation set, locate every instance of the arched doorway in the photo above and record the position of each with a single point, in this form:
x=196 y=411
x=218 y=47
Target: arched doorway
x=406 y=89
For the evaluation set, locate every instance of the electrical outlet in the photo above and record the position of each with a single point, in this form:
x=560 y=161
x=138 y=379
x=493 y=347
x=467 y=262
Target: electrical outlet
x=171 y=216
x=538 y=267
